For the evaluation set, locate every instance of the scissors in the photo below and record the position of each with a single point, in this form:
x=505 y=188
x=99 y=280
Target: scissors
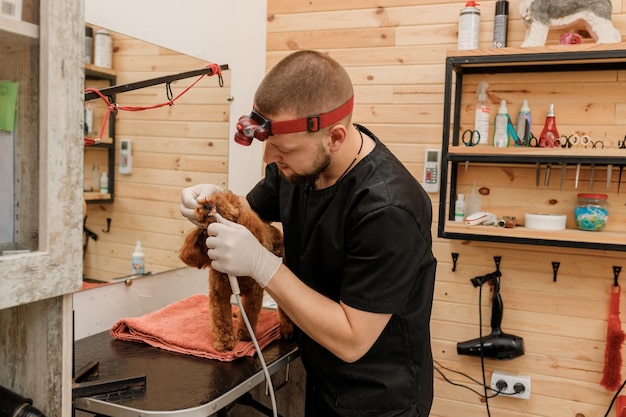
x=532 y=141
x=471 y=137
x=617 y=143
x=550 y=141
x=576 y=141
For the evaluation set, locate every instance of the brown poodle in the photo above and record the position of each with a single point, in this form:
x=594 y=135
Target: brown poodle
x=194 y=254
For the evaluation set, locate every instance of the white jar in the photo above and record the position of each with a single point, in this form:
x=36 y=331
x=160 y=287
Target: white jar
x=103 y=49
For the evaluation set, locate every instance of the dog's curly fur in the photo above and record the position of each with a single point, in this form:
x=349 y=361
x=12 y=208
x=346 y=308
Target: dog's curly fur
x=194 y=254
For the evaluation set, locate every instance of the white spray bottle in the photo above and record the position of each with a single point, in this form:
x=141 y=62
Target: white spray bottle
x=138 y=261
x=501 y=127
x=481 y=120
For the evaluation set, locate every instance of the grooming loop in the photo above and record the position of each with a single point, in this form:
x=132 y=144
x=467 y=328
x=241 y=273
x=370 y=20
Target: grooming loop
x=106 y=94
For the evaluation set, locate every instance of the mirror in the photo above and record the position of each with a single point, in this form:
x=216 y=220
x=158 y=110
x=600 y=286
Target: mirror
x=172 y=147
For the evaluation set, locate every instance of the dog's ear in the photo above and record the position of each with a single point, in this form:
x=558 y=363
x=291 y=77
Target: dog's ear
x=194 y=250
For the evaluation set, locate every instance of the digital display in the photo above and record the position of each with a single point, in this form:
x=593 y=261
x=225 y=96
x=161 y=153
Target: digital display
x=431 y=157
x=124 y=145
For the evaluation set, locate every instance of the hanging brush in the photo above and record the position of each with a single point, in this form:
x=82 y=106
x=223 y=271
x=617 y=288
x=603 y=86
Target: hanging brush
x=611 y=375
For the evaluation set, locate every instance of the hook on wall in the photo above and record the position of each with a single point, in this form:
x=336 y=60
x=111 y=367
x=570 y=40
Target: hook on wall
x=555 y=269
x=616 y=272
x=108 y=225
x=455 y=257
x=497 y=260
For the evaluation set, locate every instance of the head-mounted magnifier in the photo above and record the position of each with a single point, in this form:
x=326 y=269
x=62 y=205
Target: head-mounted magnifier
x=256 y=126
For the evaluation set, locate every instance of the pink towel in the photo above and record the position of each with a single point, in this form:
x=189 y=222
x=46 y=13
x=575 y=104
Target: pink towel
x=184 y=327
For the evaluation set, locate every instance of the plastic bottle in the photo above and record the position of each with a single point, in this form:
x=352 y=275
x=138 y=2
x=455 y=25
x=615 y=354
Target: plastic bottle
x=549 y=134
x=481 y=119
x=103 y=49
x=95 y=177
x=138 y=261
x=501 y=126
x=104 y=183
x=473 y=202
x=524 y=123
x=469 y=26
x=459 y=209
x=501 y=24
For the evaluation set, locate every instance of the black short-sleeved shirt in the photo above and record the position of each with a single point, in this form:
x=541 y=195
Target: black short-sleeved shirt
x=366 y=241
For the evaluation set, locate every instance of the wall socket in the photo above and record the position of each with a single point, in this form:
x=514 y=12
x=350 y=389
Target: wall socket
x=511 y=380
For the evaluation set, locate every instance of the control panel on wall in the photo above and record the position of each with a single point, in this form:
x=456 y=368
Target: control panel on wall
x=432 y=169
x=126 y=157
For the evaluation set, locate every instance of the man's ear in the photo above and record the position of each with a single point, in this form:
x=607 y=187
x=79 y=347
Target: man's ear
x=338 y=135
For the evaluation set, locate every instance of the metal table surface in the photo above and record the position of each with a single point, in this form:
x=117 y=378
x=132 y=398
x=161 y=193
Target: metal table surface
x=176 y=384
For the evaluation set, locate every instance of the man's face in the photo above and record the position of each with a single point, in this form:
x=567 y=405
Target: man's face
x=300 y=157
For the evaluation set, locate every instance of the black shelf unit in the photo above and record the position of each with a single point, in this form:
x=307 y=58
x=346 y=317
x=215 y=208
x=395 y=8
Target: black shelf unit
x=94 y=73
x=515 y=62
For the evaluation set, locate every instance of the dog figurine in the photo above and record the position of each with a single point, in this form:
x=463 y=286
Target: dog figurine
x=541 y=15
x=194 y=254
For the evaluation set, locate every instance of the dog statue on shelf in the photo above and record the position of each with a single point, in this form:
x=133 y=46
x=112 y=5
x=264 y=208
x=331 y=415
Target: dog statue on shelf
x=194 y=254
x=541 y=15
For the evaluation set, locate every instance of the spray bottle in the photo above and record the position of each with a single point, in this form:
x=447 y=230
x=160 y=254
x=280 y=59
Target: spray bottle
x=137 y=261
x=469 y=25
x=524 y=123
x=473 y=202
x=549 y=134
x=481 y=119
x=501 y=127
x=501 y=24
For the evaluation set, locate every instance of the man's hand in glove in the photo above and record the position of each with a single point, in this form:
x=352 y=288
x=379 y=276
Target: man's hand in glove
x=235 y=251
x=190 y=197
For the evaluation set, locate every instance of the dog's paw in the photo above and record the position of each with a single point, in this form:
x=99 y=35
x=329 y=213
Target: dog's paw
x=226 y=343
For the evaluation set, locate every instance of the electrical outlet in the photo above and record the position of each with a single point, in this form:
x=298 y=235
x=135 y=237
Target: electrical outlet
x=511 y=380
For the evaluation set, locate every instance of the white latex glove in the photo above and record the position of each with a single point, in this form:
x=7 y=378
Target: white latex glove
x=190 y=197
x=235 y=251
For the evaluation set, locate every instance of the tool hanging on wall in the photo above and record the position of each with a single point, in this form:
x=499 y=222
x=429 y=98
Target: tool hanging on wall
x=107 y=94
x=611 y=374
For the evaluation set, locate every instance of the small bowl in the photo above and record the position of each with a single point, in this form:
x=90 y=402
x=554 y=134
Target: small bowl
x=545 y=221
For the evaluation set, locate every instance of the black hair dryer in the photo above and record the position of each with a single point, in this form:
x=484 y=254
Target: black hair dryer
x=14 y=405
x=497 y=345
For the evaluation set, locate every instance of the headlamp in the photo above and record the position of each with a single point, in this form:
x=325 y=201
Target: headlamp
x=256 y=126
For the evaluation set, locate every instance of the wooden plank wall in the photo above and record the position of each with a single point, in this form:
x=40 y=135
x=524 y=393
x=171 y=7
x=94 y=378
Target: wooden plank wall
x=173 y=147
x=395 y=52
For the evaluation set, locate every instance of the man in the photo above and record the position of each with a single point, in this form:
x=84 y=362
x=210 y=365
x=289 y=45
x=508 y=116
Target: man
x=359 y=272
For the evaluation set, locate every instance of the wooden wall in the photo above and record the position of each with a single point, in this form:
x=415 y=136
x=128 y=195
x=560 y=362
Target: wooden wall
x=395 y=51
x=173 y=147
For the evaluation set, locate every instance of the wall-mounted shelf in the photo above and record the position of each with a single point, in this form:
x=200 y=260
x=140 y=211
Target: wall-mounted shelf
x=103 y=153
x=508 y=63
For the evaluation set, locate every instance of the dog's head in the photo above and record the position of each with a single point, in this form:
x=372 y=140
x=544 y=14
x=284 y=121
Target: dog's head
x=194 y=250
x=226 y=203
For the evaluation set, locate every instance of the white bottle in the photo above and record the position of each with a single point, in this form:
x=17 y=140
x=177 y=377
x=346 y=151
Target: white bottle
x=481 y=119
x=104 y=183
x=95 y=178
x=501 y=126
x=137 y=261
x=524 y=123
x=103 y=49
x=469 y=26
x=459 y=209
x=473 y=202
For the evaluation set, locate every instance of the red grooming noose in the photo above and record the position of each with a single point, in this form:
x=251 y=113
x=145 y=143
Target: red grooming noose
x=114 y=107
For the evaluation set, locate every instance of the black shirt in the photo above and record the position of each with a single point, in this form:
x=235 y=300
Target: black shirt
x=366 y=241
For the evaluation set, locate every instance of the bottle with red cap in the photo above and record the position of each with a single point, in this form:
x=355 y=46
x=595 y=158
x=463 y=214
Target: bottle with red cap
x=469 y=26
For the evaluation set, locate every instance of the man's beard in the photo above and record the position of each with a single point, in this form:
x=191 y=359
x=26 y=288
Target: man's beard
x=322 y=162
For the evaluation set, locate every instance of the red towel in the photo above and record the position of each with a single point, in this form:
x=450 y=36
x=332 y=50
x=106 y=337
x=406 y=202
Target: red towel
x=183 y=327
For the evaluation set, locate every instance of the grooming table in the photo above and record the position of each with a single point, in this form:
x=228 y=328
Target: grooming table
x=175 y=384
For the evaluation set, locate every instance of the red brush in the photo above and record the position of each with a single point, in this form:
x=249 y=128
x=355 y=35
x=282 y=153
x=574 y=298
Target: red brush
x=611 y=375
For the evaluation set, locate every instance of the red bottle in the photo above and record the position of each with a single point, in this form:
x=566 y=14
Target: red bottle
x=549 y=137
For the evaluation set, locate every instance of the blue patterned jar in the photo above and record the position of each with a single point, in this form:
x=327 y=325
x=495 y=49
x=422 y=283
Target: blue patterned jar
x=592 y=211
